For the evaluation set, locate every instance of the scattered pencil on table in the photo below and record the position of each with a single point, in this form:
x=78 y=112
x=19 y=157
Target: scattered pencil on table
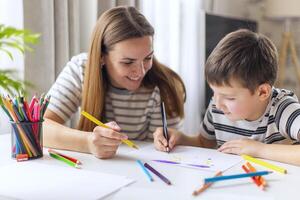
x=256 y=180
x=182 y=164
x=65 y=160
x=252 y=169
x=205 y=186
x=159 y=175
x=145 y=170
x=65 y=156
x=235 y=176
x=265 y=164
x=99 y=123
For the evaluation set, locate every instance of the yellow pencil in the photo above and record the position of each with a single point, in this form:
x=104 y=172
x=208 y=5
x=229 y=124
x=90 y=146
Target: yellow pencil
x=265 y=164
x=96 y=121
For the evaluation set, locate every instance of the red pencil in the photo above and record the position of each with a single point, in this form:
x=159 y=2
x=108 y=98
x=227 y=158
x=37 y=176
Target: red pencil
x=65 y=156
x=255 y=180
x=260 y=178
x=26 y=107
x=33 y=100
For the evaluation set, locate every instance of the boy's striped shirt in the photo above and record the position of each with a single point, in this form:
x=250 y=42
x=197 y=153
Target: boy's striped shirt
x=279 y=124
x=137 y=113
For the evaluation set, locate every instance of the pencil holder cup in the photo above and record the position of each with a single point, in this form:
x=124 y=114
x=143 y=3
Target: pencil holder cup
x=26 y=140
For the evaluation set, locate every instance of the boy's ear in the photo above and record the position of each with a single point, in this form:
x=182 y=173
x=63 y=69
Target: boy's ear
x=264 y=91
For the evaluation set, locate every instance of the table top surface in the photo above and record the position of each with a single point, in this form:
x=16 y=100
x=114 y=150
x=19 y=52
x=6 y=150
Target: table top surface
x=184 y=180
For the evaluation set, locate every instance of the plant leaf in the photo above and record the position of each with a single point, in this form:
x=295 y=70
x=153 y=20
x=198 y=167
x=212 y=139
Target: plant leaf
x=19 y=39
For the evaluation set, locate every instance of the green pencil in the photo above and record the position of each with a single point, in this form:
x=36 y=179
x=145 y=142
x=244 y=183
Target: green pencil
x=7 y=113
x=58 y=157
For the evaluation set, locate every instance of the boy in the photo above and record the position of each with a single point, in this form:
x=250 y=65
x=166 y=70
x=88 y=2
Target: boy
x=247 y=115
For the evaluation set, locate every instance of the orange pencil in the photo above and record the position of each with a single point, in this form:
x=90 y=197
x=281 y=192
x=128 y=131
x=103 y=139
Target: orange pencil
x=205 y=186
x=255 y=180
x=252 y=169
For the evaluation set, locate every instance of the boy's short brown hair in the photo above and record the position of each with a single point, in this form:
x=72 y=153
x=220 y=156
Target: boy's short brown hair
x=245 y=56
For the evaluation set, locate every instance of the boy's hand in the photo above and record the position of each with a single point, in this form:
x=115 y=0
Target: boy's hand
x=104 y=142
x=242 y=146
x=160 y=141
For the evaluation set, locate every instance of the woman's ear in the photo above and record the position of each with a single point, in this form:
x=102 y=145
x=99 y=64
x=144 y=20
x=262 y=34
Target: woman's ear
x=102 y=63
x=264 y=91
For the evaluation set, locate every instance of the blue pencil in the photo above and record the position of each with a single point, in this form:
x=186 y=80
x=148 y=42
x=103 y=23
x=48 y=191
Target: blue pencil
x=145 y=170
x=222 y=178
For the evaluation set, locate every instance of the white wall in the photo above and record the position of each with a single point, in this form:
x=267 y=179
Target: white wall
x=254 y=9
x=8 y=7
x=11 y=13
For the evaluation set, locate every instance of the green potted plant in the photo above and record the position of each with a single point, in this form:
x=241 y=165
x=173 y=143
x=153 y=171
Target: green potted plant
x=13 y=39
x=19 y=39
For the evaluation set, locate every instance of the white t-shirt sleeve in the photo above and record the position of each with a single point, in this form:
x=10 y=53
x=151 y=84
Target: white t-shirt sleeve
x=207 y=129
x=288 y=118
x=67 y=90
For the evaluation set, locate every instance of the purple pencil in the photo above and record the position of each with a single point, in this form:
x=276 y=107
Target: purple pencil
x=184 y=164
x=163 y=178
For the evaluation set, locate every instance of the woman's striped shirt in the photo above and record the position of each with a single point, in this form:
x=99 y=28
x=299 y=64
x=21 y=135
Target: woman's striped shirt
x=279 y=124
x=137 y=113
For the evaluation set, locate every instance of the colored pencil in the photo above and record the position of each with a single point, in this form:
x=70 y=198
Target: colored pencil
x=235 y=176
x=252 y=169
x=255 y=179
x=265 y=164
x=96 y=121
x=27 y=134
x=179 y=163
x=205 y=186
x=145 y=170
x=7 y=113
x=32 y=102
x=67 y=161
x=165 y=126
x=159 y=175
x=74 y=160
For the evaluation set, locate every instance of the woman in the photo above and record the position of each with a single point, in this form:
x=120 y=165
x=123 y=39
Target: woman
x=119 y=80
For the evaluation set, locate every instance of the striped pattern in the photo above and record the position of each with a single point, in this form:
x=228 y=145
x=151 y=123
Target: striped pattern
x=137 y=113
x=280 y=124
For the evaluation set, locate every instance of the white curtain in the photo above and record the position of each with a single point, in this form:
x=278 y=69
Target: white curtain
x=58 y=23
x=180 y=44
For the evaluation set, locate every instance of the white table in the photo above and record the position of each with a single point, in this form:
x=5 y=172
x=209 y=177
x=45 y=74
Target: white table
x=184 y=180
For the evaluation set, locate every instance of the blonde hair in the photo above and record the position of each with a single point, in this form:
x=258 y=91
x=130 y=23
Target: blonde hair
x=113 y=26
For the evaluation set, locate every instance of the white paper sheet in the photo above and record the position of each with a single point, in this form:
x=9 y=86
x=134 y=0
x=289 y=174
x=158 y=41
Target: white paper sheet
x=30 y=180
x=216 y=161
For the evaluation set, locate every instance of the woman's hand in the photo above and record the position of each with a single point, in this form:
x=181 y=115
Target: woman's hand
x=160 y=141
x=104 y=142
x=242 y=146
